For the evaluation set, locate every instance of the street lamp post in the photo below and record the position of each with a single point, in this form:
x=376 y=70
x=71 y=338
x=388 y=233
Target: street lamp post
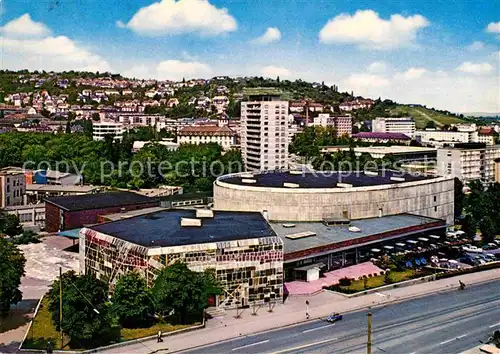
x=60 y=307
x=369 y=342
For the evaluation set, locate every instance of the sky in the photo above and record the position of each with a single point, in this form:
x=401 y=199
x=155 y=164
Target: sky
x=441 y=53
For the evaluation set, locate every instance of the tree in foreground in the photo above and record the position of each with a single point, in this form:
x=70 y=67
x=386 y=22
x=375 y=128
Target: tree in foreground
x=12 y=263
x=131 y=301
x=180 y=291
x=86 y=318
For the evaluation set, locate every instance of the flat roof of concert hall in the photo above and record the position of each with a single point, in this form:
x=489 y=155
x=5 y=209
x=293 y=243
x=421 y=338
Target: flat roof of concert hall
x=164 y=228
x=324 y=179
x=302 y=236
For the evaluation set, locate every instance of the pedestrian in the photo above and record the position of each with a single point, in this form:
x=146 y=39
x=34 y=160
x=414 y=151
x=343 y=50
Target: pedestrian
x=159 y=337
x=49 y=347
x=307 y=309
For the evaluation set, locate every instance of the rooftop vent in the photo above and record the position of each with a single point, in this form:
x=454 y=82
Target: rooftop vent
x=190 y=222
x=287 y=226
x=344 y=185
x=290 y=185
x=371 y=173
x=397 y=179
x=204 y=213
x=246 y=175
x=248 y=180
x=300 y=235
x=296 y=172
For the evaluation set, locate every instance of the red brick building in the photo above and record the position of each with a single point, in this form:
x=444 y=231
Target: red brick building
x=72 y=212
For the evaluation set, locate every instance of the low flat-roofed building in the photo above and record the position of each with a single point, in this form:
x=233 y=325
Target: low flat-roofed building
x=240 y=247
x=339 y=244
x=401 y=152
x=71 y=212
x=35 y=193
x=378 y=137
x=31 y=217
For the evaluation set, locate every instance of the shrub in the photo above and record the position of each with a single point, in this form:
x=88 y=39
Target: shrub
x=381 y=272
x=369 y=275
x=388 y=278
x=345 y=281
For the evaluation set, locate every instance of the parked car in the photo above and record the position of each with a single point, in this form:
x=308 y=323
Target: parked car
x=471 y=249
x=334 y=317
x=490 y=246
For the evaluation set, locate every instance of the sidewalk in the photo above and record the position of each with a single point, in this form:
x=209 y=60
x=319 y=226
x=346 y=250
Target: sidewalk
x=293 y=312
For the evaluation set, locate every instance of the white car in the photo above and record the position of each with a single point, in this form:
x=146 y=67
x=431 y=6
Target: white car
x=472 y=249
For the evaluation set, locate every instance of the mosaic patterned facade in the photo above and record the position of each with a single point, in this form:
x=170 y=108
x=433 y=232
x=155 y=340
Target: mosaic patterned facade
x=249 y=271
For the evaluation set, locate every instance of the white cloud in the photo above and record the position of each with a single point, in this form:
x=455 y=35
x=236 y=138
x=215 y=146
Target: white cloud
x=454 y=91
x=272 y=71
x=475 y=68
x=411 y=74
x=271 y=35
x=367 y=29
x=183 y=16
x=171 y=69
x=377 y=67
x=177 y=69
x=475 y=46
x=48 y=52
x=363 y=81
x=24 y=27
x=493 y=27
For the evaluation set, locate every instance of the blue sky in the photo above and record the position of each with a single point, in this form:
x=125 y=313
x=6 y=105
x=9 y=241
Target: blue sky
x=441 y=53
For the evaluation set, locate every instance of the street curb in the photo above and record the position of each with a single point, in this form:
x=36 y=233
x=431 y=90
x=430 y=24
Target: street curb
x=356 y=309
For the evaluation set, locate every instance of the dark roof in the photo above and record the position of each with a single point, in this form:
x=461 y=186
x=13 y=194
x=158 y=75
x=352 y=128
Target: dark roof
x=98 y=201
x=328 y=235
x=164 y=228
x=324 y=179
x=380 y=135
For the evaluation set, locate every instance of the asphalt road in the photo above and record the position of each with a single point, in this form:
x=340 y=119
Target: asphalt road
x=448 y=322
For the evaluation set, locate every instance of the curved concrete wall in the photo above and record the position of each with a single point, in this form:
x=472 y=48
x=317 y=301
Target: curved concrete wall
x=432 y=197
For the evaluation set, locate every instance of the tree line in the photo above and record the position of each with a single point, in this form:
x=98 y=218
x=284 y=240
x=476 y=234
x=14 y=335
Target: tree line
x=98 y=161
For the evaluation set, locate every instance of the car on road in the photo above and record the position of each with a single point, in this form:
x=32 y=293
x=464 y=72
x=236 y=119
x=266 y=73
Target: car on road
x=334 y=317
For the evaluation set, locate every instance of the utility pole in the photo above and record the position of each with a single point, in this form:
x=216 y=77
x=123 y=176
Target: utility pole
x=369 y=342
x=60 y=307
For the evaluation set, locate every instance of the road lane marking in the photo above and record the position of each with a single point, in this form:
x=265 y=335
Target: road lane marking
x=494 y=325
x=452 y=339
x=447 y=341
x=250 y=345
x=315 y=329
x=305 y=346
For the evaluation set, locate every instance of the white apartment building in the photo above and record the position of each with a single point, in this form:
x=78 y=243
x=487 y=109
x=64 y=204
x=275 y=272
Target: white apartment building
x=441 y=137
x=101 y=129
x=404 y=125
x=468 y=162
x=204 y=134
x=342 y=123
x=12 y=188
x=264 y=131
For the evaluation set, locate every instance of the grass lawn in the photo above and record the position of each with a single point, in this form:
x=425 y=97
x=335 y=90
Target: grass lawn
x=42 y=330
x=423 y=115
x=379 y=280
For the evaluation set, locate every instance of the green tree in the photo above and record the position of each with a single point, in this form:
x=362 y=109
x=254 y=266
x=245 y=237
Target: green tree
x=9 y=224
x=131 y=301
x=12 y=264
x=459 y=197
x=86 y=315
x=180 y=291
x=96 y=117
